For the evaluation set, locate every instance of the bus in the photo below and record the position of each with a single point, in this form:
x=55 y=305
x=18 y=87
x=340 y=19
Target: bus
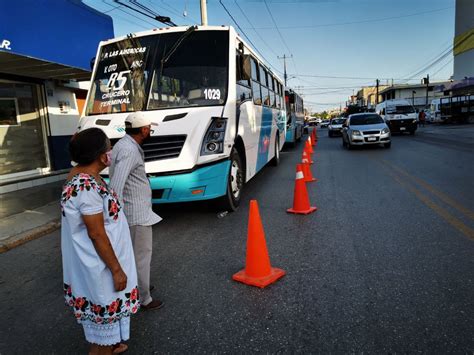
x=295 y=117
x=218 y=107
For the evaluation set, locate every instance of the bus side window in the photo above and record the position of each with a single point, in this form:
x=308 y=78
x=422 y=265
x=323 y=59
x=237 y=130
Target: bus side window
x=264 y=83
x=256 y=94
x=238 y=67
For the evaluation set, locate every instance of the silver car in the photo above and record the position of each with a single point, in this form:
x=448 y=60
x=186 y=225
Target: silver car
x=365 y=128
x=335 y=126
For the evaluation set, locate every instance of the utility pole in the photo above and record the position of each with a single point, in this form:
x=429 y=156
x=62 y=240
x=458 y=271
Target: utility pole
x=284 y=66
x=203 y=13
x=377 y=92
x=427 y=82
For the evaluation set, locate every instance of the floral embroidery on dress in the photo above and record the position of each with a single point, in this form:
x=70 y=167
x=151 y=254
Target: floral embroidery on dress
x=81 y=182
x=102 y=314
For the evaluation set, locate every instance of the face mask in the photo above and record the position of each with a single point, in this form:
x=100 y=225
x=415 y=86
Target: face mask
x=108 y=156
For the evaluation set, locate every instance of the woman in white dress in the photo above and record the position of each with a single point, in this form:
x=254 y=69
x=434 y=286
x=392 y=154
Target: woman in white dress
x=100 y=278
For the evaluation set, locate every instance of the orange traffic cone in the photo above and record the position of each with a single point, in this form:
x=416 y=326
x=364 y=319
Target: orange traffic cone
x=258 y=271
x=308 y=147
x=313 y=139
x=306 y=158
x=301 y=200
x=315 y=135
x=308 y=176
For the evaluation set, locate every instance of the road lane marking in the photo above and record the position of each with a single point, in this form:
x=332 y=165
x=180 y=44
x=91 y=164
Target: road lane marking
x=441 y=195
x=452 y=220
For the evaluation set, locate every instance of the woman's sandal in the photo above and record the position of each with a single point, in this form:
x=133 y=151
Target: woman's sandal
x=120 y=348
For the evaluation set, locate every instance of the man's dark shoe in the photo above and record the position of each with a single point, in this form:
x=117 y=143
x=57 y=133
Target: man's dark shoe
x=152 y=288
x=155 y=304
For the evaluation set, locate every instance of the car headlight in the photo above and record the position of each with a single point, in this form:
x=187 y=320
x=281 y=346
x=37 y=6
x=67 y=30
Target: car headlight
x=414 y=121
x=385 y=130
x=356 y=133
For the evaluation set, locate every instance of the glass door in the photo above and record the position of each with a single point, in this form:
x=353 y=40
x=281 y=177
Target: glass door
x=22 y=136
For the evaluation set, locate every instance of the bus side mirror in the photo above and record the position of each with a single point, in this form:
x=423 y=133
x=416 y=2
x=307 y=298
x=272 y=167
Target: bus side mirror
x=245 y=72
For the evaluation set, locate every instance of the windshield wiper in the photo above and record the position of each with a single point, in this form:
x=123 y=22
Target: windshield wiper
x=167 y=56
x=178 y=43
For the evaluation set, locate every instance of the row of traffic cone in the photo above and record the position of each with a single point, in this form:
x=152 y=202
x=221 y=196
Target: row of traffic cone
x=258 y=270
x=301 y=204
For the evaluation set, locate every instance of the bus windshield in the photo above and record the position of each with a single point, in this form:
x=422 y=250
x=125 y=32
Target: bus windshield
x=400 y=109
x=131 y=74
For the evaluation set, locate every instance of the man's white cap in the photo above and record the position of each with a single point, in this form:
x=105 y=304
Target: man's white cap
x=138 y=119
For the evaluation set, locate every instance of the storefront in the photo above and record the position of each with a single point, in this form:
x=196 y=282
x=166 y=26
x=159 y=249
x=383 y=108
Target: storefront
x=42 y=65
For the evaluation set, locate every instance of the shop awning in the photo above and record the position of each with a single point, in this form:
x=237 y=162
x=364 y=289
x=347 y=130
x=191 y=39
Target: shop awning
x=457 y=85
x=11 y=63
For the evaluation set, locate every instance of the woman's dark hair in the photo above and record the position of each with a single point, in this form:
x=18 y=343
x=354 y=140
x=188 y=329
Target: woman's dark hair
x=87 y=145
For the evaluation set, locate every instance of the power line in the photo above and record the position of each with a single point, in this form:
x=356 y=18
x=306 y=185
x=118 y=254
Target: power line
x=361 y=21
x=163 y=19
x=276 y=26
x=243 y=33
x=256 y=32
x=449 y=62
x=129 y=14
x=431 y=58
x=279 y=33
x=176 y=11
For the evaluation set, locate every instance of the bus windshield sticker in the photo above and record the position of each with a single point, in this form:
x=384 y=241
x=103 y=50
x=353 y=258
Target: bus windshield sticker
x=212 y=94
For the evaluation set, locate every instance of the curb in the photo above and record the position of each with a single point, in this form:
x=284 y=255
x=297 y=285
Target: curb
x=22 y=238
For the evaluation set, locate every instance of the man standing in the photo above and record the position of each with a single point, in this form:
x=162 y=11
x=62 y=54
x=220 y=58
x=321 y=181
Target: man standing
x=129 y=181
x=422 y=118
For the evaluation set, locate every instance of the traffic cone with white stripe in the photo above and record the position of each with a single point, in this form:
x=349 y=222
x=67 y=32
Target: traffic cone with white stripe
x=308 y=175
x=258 y=270
x=301 y=203
x=306 y=158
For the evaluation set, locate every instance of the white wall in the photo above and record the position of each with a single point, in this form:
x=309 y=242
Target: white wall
x=464 y=65
x=61 y=124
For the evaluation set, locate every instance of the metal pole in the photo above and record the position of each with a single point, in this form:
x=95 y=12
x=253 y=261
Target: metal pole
x=285 y=76
x=427 y=84
x=377 y=93
x=203 y=13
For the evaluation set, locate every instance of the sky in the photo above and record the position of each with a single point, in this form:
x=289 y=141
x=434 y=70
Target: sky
x=337 y=46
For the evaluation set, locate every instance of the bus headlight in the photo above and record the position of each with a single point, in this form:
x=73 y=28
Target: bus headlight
x=214 y=139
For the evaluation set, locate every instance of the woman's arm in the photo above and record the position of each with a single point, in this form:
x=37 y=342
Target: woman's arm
x=95 y=228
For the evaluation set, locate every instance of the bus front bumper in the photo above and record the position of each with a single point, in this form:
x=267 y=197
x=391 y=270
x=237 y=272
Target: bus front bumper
x=204 y=183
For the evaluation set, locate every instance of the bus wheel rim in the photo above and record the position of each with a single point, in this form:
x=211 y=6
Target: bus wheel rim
x=235 y=176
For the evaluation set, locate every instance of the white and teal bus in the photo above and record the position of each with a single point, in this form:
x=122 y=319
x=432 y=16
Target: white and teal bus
x=218 y=107
x=295 y=117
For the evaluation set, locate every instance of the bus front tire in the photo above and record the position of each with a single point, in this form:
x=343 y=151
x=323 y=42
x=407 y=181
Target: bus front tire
x=235 y=181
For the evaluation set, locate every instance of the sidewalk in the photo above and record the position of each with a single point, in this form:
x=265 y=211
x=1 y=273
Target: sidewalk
x=29 y=214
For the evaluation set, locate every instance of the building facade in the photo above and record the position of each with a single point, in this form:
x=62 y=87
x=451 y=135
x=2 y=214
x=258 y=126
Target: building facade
x=44 y=56
x=367 y=96
x=415 y=94
x=463 y=44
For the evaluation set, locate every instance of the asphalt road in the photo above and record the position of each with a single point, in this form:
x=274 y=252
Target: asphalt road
x=385 y=265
